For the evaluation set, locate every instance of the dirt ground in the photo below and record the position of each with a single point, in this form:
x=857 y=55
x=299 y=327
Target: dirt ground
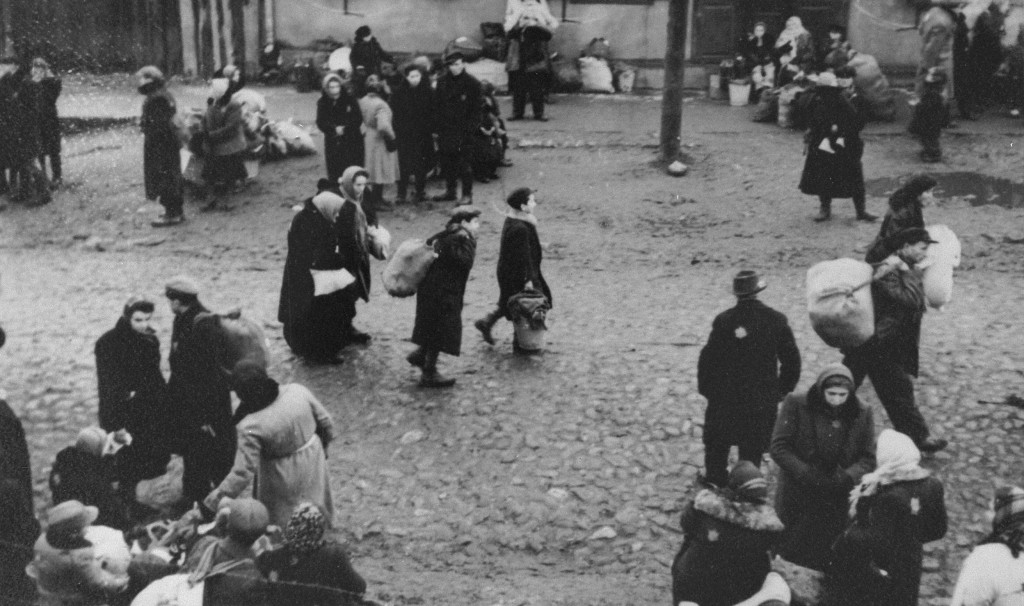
x=558 y=478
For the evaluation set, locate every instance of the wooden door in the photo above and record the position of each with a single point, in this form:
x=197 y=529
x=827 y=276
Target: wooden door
x=715 y=29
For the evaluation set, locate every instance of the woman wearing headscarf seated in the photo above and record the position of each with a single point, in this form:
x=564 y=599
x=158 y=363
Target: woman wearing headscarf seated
x=993 y=575
x=823 y=443
x=283 y=433
x=727 y=536
x=310 y=568
x=896 y=509
x=794 y=51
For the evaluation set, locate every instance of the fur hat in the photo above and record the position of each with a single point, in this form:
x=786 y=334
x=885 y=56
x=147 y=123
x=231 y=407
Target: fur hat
x=748 y=282
x=182 y=285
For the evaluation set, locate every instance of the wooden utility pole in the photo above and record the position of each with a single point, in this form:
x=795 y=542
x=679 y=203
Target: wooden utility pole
x=672 y=99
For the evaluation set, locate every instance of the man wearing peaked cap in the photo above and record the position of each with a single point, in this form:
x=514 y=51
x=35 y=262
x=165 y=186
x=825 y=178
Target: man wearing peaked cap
x=748 y=364
x=890 y=357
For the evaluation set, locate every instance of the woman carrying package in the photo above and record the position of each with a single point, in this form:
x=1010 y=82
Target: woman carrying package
x=519 y=259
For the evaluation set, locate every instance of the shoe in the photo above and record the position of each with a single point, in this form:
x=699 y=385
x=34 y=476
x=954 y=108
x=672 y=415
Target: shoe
x=929 y=445
x=822 y=217
x=168 y=221
x=465 y=200
x=485 y=331
x=435 y=379
x=448 y=196
x=866 y=216
x=417 y=358
x=357 y=336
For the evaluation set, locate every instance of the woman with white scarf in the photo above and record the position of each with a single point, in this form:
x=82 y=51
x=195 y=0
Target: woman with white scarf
x=794 y=51
x=896 y=509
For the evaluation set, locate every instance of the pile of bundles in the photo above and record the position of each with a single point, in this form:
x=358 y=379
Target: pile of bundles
x=839 y=298
x=596 y=72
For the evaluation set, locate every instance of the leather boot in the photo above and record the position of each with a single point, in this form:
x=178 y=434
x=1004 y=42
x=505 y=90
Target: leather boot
x=862 y=214
x=825 y=212
x=432 y=378
x=485 y=324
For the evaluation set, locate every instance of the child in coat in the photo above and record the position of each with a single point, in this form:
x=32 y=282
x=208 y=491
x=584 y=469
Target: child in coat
x=931 y=115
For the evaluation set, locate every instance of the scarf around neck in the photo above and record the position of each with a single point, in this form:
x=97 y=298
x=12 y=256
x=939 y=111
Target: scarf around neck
x=898 y=460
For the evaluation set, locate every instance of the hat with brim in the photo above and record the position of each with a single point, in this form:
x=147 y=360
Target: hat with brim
x=181 y=285
x=748 y=282
x=454 y=56
x=70 y=517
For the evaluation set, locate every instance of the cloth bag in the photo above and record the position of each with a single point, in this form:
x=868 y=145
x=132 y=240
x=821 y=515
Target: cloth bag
x=163 y=493
x=938 y=266
x=839 y=302
x=407 y=267
x=328 y=281
x=596 y=75
x=379 y=240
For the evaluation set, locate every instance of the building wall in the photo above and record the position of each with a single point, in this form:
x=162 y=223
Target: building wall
x=880 y=28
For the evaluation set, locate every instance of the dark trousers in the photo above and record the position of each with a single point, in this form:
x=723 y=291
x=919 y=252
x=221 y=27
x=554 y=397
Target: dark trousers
x=716 y=458
x=525 y=84
x=208 y=459
x=55 y=165
x=173 y=200
x=894 y=387
x=456 y=166
x=931 y=150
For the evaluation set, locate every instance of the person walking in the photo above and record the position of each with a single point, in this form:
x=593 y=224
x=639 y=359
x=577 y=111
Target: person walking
x=339 y=118
x=823 y=444
x=890 y=357
x=834 y=148
x=895 y=509
x=379 y=142
x=458 y=118
x=519 y=259
x=49 y=122
x=312 y=322
x=283 y=435
x=993 y=575
x=352 y=223
x=749 y=363
x=439 y=297
x=132 y=394
x=931 y=115
x=199 y=396
x=906 y=210
x=161 y=160
x=413 y=106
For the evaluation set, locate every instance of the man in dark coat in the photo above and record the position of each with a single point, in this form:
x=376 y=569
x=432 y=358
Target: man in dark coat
x=439 y=298
x=367 y=52
x=49 y=122
x=199 y=397
x=7 y=125
x=458 y=118
x=750 y=362
x=890 y=356
x=26 y=136
x=18 y=525
x=161 y=160
x=413 y=107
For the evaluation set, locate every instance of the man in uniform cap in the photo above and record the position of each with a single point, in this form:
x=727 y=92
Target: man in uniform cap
x=200 y=397
x=750 y=362
x=890 y=356
x=458 y=118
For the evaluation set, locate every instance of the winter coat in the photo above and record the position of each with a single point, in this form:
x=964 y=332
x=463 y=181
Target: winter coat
x=225 y=128
x=355 y=256
x=369 y=55
x=234 y=579
x=458 y=111
x=836 y=174
x=281 y=453
x=308 y=319
x=18 y=525
x=26 y=134
x=49 y=122
x=822 y=454
x=161 y=160
x=7 y=122
x=754 y=53
x=888 y=533
x=899 y=303
x=530 y=55
x=378 y=133
x=724 y=558
x=323 y=577
x=931 y=115
x=748 y=364
x=439 y=298
x=132 y=396
x=990 y=576
x=84 y=477
x=905 y=211
x=340 y=151
x=413 y=110
x=519 y=259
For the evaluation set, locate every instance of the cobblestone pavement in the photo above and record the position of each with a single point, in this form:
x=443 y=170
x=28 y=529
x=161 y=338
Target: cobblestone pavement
x=558 y=478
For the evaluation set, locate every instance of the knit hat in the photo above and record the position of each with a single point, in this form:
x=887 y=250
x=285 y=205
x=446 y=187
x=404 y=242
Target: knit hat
x=182 y=285
x=305 y=530
x=138 y=303
x=1009 y=508
x=91 y=440
x=747 y=484
x=518 y=198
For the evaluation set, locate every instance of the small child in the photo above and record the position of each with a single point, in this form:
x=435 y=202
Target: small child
x=931 y=115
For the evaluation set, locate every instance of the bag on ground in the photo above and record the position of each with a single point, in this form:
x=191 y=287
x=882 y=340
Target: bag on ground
x=407 y=267
x=839 y=302
x=938 y=266
x=596 y=75
x=163 y=493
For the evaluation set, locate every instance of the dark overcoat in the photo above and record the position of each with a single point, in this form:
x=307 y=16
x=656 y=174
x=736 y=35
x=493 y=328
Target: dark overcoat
x=324 y=576
x=84 y=477
x=839 y=174
x=900 y=306
x=413 y=109
x=369 y=55
x=26 y=134
x=931 y=115
x=749 y=363
x=345 y=150
x=821 y=454
x=439 y=298
x=49 y=122
x=889 y=531
x=161 y=159
x=355 y=256
x=458 y=111
x=7 y=121
x=519 y=259
x=132 y=395
x=312 y=325
x=18 y=525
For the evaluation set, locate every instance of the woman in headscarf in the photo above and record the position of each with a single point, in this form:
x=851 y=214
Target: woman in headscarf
x=339 y=118
x=906 y=206
x=794 y=51
x=309 y=567
x=823 y=443
x=283 y=434
x=313 y=323
x=132 y=393
x=993 y=575
x=379 y=141
x=161 y=161
x=727 y=536
x=225 y=131
x=353 y=220
x=896 y=509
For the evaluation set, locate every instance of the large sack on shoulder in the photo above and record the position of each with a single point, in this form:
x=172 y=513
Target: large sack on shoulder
x=872 y=84
x=938 y=266
x=231 y=338
x=596 y=75
x=839 y=302
x=163 y=493
x=407 y=267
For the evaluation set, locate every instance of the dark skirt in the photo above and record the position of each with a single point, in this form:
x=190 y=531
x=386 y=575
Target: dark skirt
x=321 y=332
